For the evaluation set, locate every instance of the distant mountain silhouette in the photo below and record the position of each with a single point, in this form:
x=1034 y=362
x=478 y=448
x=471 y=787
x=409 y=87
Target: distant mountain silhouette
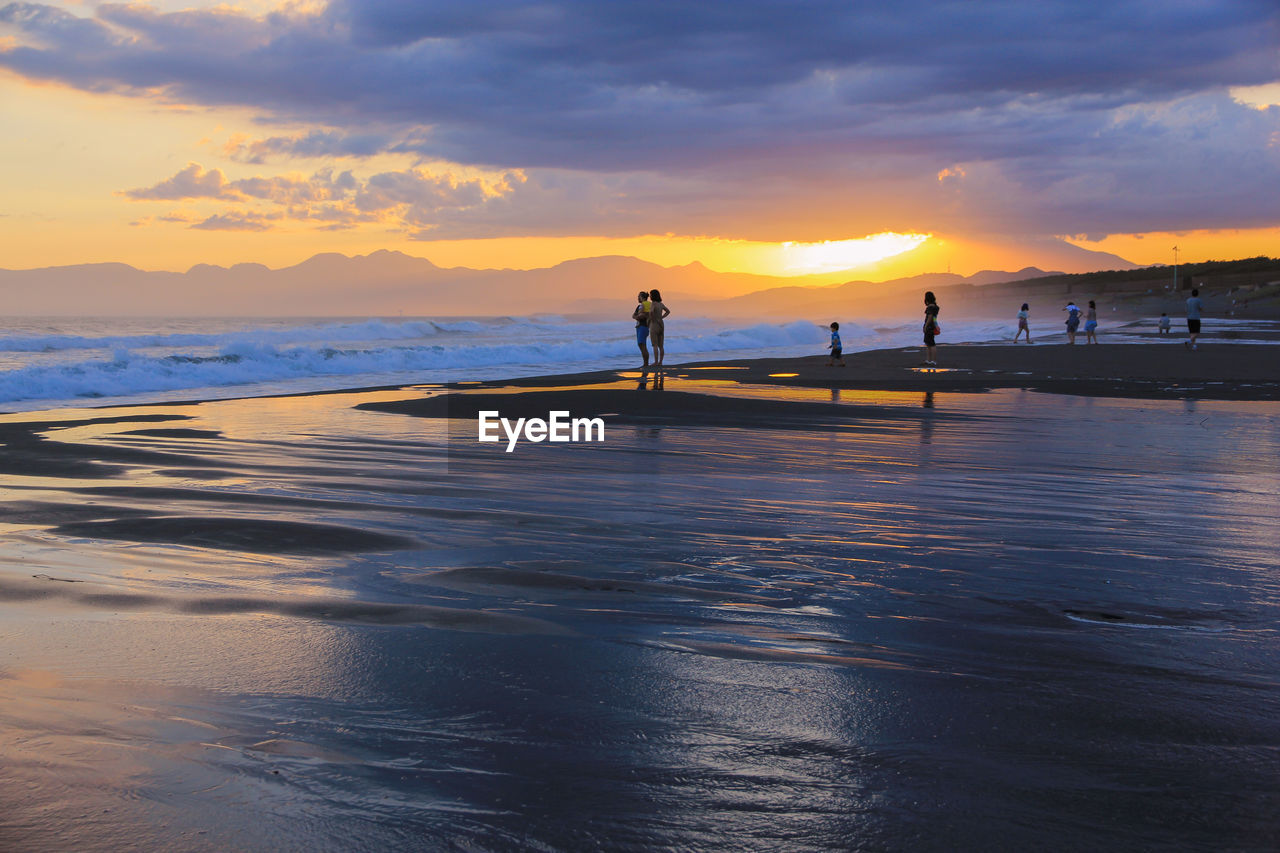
x=943 y=252
x=1024 y=274
x=387 y=283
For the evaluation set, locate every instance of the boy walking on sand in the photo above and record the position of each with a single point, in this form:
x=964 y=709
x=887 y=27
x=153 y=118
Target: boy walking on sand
x=837 y=351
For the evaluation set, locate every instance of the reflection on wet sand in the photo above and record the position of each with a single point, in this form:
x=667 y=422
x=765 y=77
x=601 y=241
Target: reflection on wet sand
x=850 y=618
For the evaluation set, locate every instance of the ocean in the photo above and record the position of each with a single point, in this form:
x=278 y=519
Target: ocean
x=76 y=362
x=96 y=361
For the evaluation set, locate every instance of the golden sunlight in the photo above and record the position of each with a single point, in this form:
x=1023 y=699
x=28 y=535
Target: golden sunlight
x=1259 y=97
x=817 y=262
x=1156 y=247
x=833 y=255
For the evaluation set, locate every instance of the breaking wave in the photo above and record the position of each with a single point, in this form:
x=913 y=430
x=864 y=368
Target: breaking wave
x=72 y=367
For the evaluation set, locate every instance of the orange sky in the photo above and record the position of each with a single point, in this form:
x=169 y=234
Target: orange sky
x=175 y=174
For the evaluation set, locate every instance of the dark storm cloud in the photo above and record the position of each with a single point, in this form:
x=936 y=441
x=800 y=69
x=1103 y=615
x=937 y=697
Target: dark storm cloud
x=733 y=48
x=610 y=85
x=1039 y=93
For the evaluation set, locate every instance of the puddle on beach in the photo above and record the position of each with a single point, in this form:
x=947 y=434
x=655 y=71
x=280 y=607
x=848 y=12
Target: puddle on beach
x=645 y=382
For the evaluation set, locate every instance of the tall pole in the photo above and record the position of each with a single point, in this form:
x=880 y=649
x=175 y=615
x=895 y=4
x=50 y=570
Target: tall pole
x=1175 y=269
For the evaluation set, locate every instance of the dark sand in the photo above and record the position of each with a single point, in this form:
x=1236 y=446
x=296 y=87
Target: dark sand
x=1156 y=370
x=1160 y=370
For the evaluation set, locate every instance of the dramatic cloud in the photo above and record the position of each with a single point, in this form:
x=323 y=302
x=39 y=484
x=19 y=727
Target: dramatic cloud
x=1053 y=116
x=416 y=199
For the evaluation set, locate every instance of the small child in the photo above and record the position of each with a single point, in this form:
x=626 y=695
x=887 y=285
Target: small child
x=837 y=351
x=1165 y=323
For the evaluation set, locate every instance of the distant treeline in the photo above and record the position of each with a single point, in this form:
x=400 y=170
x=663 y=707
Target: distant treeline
x=1185 y=272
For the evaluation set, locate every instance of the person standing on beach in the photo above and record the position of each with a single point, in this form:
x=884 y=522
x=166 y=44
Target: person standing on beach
x=641 y=316
x=931 y=328
x=837 y=349
x=1091 y=324
x=1194 y=309
x=657 y=328
x=1024 y=315
x=1073 y=321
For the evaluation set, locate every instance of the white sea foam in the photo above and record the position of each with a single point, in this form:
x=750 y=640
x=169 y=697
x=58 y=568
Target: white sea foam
x=65 y=367
x=368 y=330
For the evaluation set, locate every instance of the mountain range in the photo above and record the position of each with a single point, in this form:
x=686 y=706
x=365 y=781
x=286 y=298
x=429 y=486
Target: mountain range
x=388 y=283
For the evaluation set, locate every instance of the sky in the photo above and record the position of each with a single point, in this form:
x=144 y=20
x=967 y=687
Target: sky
x=786 y=137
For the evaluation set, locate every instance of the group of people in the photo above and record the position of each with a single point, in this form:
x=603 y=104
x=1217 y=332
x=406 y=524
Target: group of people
x=1195 y=308
x=1073 y=322
x=649 y=316
x=931 y=329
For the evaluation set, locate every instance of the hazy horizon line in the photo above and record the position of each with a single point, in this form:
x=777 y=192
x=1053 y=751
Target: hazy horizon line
x=835 y=277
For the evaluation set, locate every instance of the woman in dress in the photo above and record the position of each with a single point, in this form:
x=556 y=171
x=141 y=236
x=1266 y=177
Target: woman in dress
x=1073 y=321
x=657 y=331
x=930 y=329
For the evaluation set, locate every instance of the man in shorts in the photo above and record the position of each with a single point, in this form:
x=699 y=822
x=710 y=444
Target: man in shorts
x=1194 y=309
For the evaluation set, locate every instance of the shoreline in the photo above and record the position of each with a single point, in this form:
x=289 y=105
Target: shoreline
x=1161 y=370
x=1157 y=370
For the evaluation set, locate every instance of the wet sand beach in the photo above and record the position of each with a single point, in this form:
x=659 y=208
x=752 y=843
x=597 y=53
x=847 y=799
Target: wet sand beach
x=1030 y=603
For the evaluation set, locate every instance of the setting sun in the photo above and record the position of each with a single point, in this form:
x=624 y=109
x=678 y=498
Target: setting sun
x=832 y=255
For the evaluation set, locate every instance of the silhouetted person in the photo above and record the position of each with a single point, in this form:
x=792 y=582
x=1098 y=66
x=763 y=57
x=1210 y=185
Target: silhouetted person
x=1073 y=321
x=641 y=316
x=931 y=329
x=1194 y=309
x=837 y=349
x=657 y=327
x=1024 y=318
